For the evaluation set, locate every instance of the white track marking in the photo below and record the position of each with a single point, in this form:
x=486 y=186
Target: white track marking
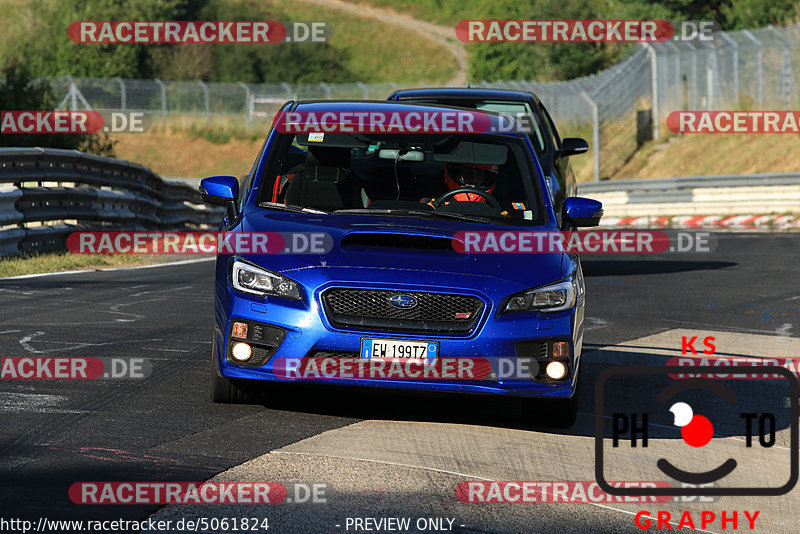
x=445 y=471
x=111 y=269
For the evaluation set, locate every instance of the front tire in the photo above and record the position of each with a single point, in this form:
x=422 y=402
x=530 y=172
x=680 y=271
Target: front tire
x=559 y=413
x=224 y=390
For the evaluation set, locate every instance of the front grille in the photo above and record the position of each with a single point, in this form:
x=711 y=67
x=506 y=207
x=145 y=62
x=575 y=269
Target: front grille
x=372 y=308
x=316 y=353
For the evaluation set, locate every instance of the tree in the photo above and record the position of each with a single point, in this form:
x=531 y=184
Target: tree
x=19 y=92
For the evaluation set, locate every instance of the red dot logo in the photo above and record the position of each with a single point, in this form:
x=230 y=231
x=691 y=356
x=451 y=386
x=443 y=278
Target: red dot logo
x=696 y=430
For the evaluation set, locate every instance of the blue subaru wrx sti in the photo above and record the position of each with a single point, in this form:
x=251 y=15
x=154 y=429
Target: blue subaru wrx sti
x=388 y=281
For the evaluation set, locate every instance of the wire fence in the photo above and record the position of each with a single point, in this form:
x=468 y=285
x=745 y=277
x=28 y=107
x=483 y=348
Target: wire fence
x=625 y=105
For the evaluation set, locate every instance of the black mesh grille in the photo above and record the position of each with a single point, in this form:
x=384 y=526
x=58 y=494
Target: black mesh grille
x=372 y=308
x=332 y=354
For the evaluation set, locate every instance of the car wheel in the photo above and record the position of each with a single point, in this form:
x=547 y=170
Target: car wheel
x=223 y=389
x=560 y=413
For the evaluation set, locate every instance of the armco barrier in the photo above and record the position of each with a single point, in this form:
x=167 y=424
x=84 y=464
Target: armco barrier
x=45 y=194
x=725 y=195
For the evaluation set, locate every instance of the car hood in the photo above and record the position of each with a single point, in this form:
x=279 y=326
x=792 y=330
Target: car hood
x=400 y=250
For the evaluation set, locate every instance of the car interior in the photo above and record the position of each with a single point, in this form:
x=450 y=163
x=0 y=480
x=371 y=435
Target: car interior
x=391 y=172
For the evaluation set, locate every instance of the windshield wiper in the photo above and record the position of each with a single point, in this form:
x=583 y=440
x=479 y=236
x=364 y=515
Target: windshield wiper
x=295 y=209
x=460 y=216
x=422 y=213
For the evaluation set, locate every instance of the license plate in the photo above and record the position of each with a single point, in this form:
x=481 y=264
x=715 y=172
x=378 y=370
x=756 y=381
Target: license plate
x=399 y=348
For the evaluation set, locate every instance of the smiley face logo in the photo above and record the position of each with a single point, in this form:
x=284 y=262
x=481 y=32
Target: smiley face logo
x=704 y=409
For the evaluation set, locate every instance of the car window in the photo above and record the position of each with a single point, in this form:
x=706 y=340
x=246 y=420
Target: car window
x=522 y=112
x=551 y=128
x=405 y=172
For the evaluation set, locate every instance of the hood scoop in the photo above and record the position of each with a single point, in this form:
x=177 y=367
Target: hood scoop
x=385 y=241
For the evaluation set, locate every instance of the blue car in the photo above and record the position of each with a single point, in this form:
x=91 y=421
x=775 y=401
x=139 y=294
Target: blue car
x=390 y=281
x=552 y=150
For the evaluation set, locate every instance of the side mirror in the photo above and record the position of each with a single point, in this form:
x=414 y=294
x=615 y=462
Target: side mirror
x=581 y=211
x=571 y=146
x=222 y=191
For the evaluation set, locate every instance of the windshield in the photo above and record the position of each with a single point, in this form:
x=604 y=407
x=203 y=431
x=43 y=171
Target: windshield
x=520 y=110
x=481 y=177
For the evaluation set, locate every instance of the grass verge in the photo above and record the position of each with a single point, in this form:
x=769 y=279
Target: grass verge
x=66 y=261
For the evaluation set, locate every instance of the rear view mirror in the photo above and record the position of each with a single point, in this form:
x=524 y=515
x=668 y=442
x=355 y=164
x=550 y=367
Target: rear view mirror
x=581 y=211
x=571 y=146
x=409 y=155
x=475 y=153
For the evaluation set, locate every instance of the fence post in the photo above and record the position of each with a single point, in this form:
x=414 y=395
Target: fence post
x=693 y=76
x=70 y=95
x=327 y=89
x=123 y=96
x=654 y=83
x=711 y=63
x=73 y=94
x=207 y=102
x=759 y=46
x=163 y=101
x=595 y=134
x=787 y=76
x=248 y=105
x=677 y=74
x=288 y=89
x=363 y=88
x=735 y=65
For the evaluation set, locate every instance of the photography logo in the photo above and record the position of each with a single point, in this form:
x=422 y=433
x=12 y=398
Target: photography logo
x=708 y=409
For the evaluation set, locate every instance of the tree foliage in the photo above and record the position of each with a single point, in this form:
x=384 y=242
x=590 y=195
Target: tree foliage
x=562 y=61
x=18 y=91
x=47 y=50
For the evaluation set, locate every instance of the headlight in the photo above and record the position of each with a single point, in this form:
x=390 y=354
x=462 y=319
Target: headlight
x=550 y=298
x=248 y=278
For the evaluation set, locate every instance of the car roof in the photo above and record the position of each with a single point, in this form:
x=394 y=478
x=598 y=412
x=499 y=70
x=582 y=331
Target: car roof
x=464 y=92
x=322 y=106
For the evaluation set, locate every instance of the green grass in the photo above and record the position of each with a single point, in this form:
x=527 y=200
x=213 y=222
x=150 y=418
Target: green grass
x=445 y=12
x=372 y=50
x=222 y=135
x=66 y=261
x=377 y=52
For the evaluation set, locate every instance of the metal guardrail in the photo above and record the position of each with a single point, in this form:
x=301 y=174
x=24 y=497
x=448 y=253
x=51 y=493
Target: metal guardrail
x=724 y=195
x=693 y=182
x=49 y=187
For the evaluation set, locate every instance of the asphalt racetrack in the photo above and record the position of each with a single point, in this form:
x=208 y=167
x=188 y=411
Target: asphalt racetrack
x=379 y=454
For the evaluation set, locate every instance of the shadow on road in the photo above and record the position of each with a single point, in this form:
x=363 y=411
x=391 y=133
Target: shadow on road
x=617 y=267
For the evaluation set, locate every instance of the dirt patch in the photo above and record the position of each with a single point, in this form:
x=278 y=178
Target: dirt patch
x=181 y=154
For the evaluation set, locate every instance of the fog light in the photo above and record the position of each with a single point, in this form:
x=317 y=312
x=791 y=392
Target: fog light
x=556 y=370
x=239 y=330
x=560 y=349
x=241 y=352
